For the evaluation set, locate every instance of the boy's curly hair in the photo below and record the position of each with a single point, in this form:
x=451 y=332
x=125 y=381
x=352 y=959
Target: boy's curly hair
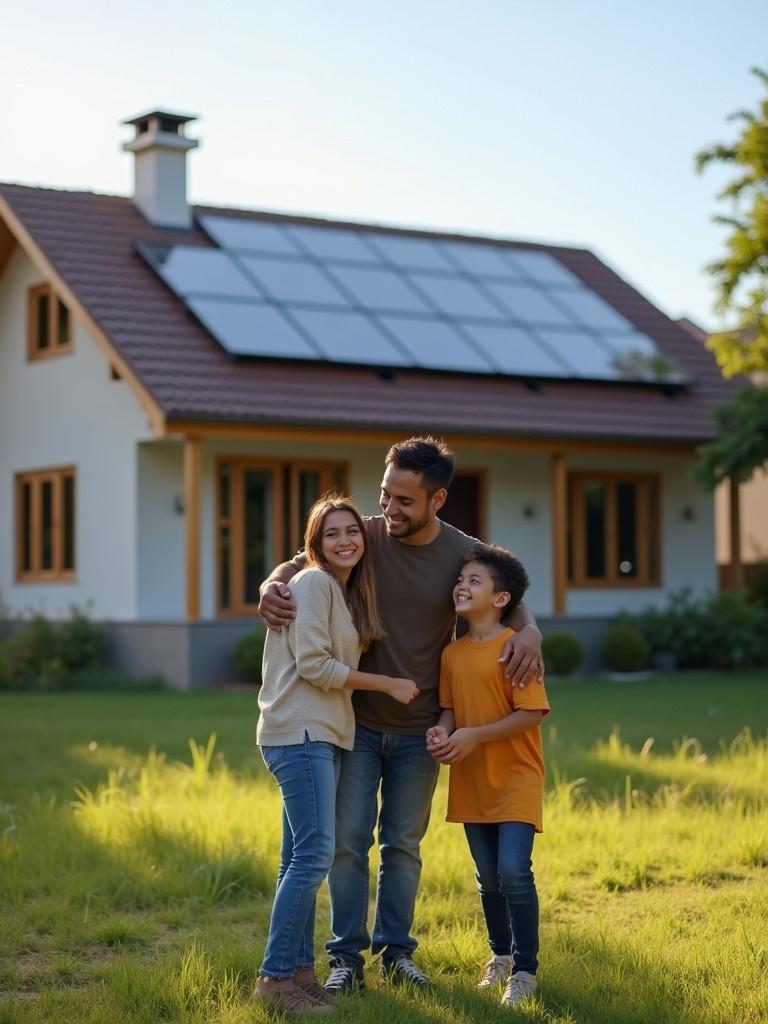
x=507 y=572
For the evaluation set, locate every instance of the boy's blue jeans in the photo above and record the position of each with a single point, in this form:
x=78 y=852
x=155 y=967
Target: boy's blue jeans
x=307 y=774
x=407 y=775
x=502 y=856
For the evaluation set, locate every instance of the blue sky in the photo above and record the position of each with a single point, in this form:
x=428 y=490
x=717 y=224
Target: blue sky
x=569 y=121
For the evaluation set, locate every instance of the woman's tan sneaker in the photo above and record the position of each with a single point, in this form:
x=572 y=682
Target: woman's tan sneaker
x=306 y=980
x=286 y=997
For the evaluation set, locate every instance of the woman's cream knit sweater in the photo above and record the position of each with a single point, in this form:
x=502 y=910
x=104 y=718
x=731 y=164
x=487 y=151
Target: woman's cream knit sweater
x=306 y=665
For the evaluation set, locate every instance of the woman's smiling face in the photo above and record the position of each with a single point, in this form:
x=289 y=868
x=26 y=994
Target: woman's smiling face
x=342 y=542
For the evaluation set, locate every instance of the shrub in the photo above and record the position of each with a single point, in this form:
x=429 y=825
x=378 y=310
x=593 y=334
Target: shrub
x=248 y=653
x=625 y=649
x=758 y=592
x=563 y=652
x=45 y=655
x=715 y=631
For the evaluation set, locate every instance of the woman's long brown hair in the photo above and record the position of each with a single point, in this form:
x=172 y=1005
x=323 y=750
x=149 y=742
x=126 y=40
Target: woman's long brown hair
x=359 y=590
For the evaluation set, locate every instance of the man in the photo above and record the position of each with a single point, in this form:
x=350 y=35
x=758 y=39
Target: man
x=415 y=558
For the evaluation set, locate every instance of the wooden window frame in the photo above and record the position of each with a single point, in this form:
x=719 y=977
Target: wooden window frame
x=234 y=521
x=55 y=305
x=36 y=573
x=647 y=522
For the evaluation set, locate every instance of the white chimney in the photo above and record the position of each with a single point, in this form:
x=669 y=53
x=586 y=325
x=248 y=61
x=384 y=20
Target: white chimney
x=160 y=167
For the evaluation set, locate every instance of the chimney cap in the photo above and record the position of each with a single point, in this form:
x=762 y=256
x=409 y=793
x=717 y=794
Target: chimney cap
x=161 y=115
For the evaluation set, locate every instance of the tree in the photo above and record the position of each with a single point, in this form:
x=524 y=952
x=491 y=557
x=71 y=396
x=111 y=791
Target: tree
x=742 y=275
x=741 y=446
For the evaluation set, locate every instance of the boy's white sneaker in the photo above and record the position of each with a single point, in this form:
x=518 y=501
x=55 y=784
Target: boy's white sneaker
x=519 y=987
x=497 y=971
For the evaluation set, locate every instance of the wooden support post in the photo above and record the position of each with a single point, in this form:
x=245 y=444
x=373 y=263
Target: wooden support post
x=559 y=512
x=193 y=474
x=737 y=567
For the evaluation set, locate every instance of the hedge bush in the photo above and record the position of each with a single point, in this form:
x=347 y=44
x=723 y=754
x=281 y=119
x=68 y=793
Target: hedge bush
x=714 y=631
x=563 y=652
x=625 y=649
x=248 y=653
x=48 y=655
x=63 y=655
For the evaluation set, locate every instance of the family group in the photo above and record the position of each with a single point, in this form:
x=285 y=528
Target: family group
x=365 y=693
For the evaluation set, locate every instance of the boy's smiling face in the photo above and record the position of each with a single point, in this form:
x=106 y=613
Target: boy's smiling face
x=474 y=592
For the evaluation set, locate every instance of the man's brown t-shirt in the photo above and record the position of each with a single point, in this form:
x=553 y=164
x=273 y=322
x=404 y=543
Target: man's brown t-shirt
x=414 y=585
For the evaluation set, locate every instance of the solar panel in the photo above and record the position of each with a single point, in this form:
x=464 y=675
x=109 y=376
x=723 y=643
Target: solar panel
x=413 y=253
x=330 y=244
x=435 y=344
x=516 y=351
x=313 y=292
x=294 y=281
x=540 y=266
x=456 y=296
x=378 y=288
x=529 y=304
x=249 y=235
x=349 y=338
x=190 y=270
x=252 y=329
x=591 y=309
x=482 y=260
x=583 y=351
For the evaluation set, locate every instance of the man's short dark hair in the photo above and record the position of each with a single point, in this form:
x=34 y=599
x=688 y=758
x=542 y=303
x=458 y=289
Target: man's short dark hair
x=507 y=572
x=429 y=456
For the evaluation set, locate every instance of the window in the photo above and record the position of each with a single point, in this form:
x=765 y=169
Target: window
x=613 y=530
x=45 y=526
x=49 y=324
x=464 y=507
x=261 y=511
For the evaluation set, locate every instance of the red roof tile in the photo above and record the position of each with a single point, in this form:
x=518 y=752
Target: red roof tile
x=90 y=240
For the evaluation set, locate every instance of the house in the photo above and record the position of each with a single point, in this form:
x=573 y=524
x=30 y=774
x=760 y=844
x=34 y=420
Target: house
x=178 y=384
x=741 y=518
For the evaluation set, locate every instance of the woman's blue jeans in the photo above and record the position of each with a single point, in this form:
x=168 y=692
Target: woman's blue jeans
x=307 y=774
x=502 y=855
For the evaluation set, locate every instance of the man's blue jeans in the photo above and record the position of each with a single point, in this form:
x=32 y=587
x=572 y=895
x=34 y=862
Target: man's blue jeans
x=502 y=856
x=407 y=775
x=307 y=774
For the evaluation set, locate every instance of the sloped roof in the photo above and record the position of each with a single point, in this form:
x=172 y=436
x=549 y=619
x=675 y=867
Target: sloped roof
x=90 y=240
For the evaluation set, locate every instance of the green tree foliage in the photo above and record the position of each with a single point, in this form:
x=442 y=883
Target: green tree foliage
x=742 y=275
x=741 y=446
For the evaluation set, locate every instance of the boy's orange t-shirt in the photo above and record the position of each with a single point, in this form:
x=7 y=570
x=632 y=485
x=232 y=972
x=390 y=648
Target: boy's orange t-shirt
x=502 y=780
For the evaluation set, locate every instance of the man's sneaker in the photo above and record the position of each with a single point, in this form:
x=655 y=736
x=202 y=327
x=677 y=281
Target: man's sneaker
x=344 y=977
x=288 y=999
x=497 y=972
x=403 y=971
x=519 y=987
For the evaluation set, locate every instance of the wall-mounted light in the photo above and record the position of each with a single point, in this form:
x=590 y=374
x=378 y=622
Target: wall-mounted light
x=688 y=513
x=179 y=506
x=529 y=511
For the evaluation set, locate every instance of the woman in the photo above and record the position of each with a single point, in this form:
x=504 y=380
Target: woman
x=309 y=672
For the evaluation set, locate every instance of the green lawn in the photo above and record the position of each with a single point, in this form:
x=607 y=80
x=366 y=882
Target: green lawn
x=136 y=873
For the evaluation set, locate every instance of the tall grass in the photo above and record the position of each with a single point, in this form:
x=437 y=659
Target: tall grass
x=144 y=897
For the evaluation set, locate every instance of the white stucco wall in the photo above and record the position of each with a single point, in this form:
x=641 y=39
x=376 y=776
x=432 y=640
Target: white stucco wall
x=754 y=520
x=67 y=411
x=514 y=480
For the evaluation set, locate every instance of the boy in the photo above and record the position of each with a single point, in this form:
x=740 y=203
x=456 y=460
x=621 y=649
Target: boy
x=488 y=732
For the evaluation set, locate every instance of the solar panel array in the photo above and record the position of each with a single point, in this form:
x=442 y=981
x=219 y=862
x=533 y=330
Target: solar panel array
x=369 y=297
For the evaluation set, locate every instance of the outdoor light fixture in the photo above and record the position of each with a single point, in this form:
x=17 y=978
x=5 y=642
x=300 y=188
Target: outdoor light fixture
x=178 y=505
x=688 y=513
x=529 y=511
